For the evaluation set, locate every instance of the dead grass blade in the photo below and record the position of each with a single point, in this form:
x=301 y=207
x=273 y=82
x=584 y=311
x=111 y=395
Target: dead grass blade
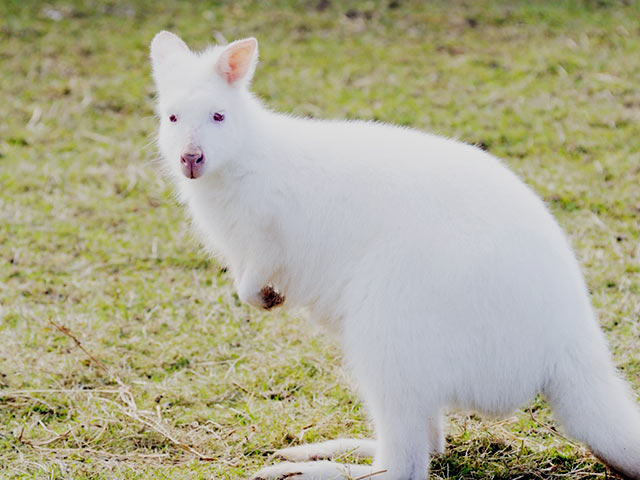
x=127 y=404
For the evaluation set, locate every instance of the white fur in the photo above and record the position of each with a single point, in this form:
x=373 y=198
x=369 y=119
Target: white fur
x=317 y=471
x=444 y=276
x=328 y=449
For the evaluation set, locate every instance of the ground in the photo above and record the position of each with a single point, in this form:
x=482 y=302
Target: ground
x=124 y=351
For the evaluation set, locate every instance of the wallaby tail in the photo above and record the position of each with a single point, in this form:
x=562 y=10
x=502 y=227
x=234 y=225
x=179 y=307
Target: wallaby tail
x=596 y=406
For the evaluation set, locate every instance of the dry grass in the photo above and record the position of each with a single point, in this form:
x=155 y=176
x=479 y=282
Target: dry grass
x=124 y=352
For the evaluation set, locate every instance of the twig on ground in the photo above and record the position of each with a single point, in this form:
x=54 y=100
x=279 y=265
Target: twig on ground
x=369 y=475
x=128 y=405
x=27 y=392
x=64 y=330
x=49 y=441
x=101 y=453
x=552 y=430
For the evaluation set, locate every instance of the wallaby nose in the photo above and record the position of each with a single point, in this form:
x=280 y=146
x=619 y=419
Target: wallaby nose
x=192 y=161
x=190 y=158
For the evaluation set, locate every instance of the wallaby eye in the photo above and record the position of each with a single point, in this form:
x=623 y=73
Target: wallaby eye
x=173 y=118
x=217 y=117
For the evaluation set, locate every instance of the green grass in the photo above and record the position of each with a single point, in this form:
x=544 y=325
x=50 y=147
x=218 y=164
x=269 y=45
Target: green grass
x=91 y=238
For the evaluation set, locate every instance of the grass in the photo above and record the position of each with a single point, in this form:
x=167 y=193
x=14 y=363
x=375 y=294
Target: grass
x=169 y=376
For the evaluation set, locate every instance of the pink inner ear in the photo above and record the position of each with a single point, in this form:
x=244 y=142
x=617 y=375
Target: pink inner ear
x=235 y=62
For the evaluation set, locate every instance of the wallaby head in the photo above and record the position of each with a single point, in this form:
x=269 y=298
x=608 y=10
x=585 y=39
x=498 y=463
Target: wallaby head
x=202 y=102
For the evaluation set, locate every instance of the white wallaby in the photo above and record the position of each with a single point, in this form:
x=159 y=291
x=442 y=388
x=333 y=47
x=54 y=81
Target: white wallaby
x=447 y=281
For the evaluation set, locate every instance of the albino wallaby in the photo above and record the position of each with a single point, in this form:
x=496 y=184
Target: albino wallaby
x=445 y=278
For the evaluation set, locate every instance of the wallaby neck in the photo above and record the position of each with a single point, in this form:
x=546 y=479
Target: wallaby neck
x=275 y=140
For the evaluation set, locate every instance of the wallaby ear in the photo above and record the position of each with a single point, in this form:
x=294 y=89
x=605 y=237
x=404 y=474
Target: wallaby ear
x=165 y=45
x=237 y=62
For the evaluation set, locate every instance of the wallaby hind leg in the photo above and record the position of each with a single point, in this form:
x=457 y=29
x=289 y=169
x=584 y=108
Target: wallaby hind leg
x=356 y=446
x=403 y=445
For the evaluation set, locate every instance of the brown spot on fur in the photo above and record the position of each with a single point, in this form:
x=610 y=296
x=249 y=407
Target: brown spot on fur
x=270 y=298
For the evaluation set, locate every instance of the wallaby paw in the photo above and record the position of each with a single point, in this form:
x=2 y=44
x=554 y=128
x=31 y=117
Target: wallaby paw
x=301 y=453
x=321 y=470
x=281 y=471
x=328 y=449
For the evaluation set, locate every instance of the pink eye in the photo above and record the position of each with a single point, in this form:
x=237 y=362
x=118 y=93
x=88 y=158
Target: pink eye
x=173 y=118
x=218 y=117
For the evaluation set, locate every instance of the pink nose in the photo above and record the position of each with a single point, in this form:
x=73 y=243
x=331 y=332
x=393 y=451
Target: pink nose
x=192 y=162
